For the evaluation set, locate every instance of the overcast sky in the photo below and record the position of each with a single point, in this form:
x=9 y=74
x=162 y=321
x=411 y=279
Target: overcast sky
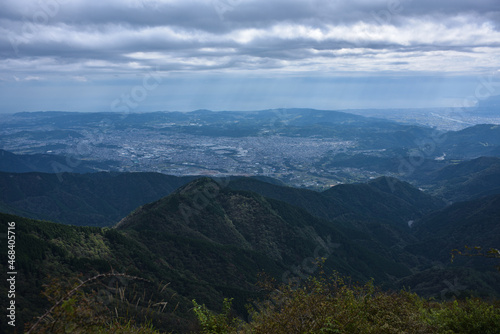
x=133 y=55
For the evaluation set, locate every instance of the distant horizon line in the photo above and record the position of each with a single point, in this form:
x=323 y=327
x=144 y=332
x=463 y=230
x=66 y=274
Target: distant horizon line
x=253 y=110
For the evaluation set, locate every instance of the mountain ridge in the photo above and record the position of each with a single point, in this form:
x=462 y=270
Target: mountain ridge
x=99 y=199
x=210 y=241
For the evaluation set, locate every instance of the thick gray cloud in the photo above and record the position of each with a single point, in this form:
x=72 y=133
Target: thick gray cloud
x=98 y=37
x=104 y=41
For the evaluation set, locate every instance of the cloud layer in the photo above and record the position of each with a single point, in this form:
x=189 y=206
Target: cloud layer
x=244 y=54
x=96 y=39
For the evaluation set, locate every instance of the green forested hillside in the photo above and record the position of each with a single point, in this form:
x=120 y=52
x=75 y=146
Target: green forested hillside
x=466 y=180
x=208 y=241
x=383 y=199
x=50 y=253
x=472 y=142
x=375 y=214
x=97 y=199
x=386 y=199
x=206 y=211
x=47 y=163
x=205 y=246
x=472 y=223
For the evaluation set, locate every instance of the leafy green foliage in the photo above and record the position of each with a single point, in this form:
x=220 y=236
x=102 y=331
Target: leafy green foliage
x=212 y=323
x=334 y=305
x=469 y=316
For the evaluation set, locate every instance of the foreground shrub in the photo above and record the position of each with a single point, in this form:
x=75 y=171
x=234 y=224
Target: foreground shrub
x=332 y=305
x=469 y=316
x=75 y=311
x=215 y=323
